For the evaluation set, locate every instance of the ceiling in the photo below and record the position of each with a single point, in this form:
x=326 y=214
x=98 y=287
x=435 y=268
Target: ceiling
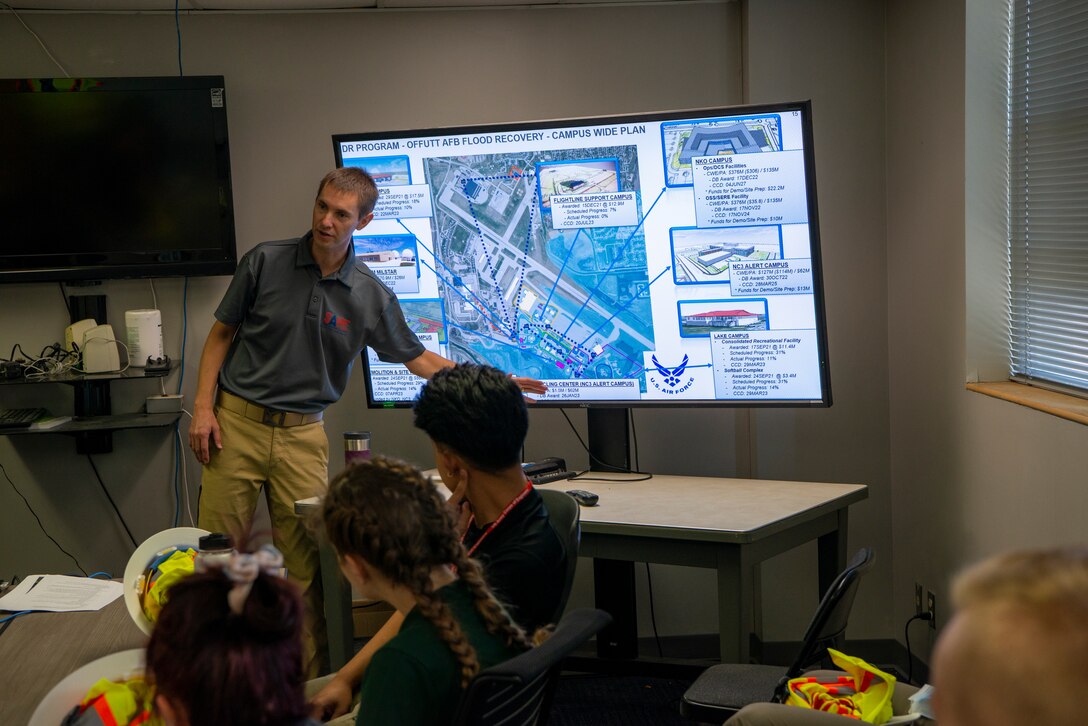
x=283 y=5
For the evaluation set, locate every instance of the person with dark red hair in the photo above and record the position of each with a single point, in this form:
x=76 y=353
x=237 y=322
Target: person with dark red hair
x=227 y=648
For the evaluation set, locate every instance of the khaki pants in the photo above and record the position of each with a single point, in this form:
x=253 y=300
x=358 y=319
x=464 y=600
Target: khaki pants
x=289 y=463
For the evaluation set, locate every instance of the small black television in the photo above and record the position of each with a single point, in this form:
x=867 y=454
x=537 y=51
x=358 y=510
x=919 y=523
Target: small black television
x=656 y=259
x=108 y=178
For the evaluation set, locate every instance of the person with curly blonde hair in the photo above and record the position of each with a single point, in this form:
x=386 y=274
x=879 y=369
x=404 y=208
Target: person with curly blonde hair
x=396 y=541
x=1016 y=651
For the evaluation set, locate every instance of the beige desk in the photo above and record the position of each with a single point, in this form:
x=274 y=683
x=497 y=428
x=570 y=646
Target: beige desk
x=40 y=649
x=729 y=525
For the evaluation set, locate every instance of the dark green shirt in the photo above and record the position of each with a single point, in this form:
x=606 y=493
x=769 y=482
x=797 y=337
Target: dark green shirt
x=415 y=677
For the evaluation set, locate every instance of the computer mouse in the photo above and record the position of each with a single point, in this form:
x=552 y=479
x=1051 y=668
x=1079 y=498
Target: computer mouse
x=586 y=499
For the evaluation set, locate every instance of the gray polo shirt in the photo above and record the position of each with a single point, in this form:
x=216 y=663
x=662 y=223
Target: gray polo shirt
x=298 y=333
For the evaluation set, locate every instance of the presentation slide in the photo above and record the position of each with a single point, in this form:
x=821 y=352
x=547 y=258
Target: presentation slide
x=668 y=258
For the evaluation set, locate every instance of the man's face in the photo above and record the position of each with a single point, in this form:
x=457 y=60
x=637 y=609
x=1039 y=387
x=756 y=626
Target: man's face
x=336 y=216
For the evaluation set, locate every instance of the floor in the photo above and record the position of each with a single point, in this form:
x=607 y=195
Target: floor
x=617 y=700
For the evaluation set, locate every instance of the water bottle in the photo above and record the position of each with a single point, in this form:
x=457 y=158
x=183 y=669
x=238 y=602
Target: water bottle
x=356 y=447
x=213 y=551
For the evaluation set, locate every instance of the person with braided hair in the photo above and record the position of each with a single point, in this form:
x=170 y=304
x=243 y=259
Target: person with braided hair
x=477 y=419
x=296 y=315
x=396 y=541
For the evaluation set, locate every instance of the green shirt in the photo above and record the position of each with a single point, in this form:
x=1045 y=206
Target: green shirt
x=415 y=677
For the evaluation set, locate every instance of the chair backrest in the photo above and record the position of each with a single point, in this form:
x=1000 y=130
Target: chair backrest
x=565 y=518
x=518 y=692
x=832 y=614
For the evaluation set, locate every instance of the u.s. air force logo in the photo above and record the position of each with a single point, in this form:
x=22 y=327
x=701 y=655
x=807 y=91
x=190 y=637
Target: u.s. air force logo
x=671 y=380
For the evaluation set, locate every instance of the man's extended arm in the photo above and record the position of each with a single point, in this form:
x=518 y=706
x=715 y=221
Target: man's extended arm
x=428 y=363
x=204 y=428
x=335 y=698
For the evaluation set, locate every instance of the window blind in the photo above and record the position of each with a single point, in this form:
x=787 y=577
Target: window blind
x=1048 y=192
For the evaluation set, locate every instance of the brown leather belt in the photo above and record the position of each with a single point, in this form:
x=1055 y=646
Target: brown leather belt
x=267 y=416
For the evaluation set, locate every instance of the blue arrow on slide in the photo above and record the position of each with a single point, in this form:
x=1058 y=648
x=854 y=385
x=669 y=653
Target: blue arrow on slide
x=449 y=283
x=560 y=273
x=614 y=260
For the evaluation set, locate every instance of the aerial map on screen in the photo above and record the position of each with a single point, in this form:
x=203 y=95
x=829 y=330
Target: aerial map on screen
x=637 y=260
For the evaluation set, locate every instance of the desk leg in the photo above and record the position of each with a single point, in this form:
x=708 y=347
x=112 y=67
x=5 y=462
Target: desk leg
x=341 y=628
x=736 y=588
x=831 y=552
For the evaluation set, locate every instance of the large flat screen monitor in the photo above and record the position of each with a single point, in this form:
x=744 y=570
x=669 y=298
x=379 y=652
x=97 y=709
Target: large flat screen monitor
x=654 y=259
x=114 y=177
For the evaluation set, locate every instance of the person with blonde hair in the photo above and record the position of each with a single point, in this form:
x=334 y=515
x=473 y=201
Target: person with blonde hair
x=397 y=541
x=1016 y=651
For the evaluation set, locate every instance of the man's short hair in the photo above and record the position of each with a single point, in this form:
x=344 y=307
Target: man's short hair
x=476 y=411
x=355 y=181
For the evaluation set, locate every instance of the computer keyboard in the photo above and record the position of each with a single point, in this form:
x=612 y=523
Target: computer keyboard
x=19 y=418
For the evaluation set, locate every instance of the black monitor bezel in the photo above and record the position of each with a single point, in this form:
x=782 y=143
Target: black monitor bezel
x=128 y=264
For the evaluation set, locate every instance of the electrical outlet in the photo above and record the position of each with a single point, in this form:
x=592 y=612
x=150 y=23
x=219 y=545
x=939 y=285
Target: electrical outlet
x=931 y=608
x=918 y=595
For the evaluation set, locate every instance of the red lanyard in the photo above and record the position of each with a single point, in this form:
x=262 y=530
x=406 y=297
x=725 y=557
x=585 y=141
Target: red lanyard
x=513 y=503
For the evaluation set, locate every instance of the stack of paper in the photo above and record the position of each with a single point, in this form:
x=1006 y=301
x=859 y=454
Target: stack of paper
x=61 y=593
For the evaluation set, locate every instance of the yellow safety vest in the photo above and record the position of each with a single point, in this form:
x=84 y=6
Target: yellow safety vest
x=864 y=694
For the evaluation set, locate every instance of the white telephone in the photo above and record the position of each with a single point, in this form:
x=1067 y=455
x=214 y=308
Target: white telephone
x=100 y=354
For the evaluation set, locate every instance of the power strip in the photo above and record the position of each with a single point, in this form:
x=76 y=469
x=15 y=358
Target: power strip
x=168 y=403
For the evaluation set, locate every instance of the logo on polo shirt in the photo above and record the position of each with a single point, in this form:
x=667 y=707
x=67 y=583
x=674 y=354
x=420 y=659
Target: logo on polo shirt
x=337 y=322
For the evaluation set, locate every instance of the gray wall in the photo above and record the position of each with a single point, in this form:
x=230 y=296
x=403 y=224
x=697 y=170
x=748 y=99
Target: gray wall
x=832 y=53
x=971 y=475
x=954 y=476
x=292 y=81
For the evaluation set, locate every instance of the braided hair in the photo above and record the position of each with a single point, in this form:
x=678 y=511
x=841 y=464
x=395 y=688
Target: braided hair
x=385 y=512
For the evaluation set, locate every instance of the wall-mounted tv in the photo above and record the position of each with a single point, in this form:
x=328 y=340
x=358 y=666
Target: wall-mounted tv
x=653 y=259
x=114 y=177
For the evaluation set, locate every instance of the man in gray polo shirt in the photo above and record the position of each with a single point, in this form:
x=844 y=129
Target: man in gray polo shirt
x=294 y=318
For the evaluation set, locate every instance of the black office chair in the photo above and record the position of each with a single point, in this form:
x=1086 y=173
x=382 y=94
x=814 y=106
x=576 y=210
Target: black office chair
x=565 y=518
x=722 y=690
x=519 y=691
